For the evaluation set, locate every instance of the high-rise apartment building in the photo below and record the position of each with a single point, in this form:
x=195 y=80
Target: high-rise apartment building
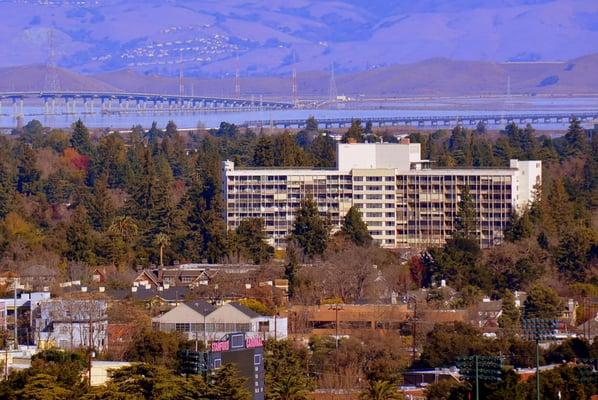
x=402 y=199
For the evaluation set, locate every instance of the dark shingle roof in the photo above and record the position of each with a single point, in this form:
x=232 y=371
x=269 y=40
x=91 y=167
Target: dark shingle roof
x=201 y=306
x=247 y=311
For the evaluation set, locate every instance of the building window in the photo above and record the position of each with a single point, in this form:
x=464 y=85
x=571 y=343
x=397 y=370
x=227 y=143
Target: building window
x=257 y=359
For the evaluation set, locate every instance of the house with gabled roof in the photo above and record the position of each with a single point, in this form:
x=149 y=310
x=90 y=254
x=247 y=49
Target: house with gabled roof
x=199 y=320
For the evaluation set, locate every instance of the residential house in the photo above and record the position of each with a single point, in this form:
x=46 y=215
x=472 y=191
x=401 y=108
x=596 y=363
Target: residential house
x=485 y=314
x=188 y=275
x=200 y=320
x=38 y=277
x=72 y=323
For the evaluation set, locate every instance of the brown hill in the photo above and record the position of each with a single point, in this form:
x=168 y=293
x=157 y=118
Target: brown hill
x=435 y=77
x=33 y=78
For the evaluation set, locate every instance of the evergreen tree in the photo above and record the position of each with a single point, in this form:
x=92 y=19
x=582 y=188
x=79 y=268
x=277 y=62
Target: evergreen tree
x=27 y=173
x=154 y=133
x=171 y=130
x=509 y=319
x=323 y=151
x=33 y=133
x=310 y=230
x=100 y=207
x=355 y=133
x=311 y=125
x=286 y=152
x=355 y=229
x=226 y=384
x=576 y=140
x=543 y=302
x=78 y=237
x=466 y=219
x=519 y=227
x=252 y=240
x=80 y=139
x=263 y=153
x=576 y=253
x=7 y=191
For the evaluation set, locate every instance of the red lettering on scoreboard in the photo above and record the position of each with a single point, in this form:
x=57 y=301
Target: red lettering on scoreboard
x=220 y=346
x=251 y=343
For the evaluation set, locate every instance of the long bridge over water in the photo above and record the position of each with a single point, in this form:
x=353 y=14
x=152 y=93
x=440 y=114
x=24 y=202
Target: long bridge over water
x=66 y=102
x=498 y=118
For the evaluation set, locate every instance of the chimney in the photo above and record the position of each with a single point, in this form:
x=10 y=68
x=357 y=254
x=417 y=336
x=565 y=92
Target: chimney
x=102 y=289
x=134 y=289
x=443 y=283
x=148 y=286
x=84 y=289
x=166 y=286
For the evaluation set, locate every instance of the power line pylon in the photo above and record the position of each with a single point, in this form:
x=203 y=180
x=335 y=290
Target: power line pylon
x=181 y=84
x=332 y=94
x=294 y=92
x=52 y=82
x=237 y=79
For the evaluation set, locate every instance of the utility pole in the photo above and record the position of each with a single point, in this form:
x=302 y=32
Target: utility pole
x=336 y=307
x=16 y=315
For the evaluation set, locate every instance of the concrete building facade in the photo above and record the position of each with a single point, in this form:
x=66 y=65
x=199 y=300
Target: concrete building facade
x=402 y=199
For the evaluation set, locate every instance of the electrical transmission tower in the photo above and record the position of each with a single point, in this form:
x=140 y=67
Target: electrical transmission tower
x=294 y=93
x=52 y=82
x=181 y=85
x=237 y=79
x=332 y=94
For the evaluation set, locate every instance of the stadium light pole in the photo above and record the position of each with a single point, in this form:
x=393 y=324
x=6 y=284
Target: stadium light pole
x=538 y=329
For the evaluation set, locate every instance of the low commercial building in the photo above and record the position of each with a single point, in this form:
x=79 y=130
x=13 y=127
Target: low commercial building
x=347 y=319
x=402 y=199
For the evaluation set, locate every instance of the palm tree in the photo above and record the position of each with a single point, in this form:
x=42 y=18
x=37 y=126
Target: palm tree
x=162 y=240
x=125 y=227
x=381 y=390
x=289 y=388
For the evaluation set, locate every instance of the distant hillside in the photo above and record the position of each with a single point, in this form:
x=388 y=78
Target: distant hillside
x=33 y=77
x=270 y=37
x=440 y=77
x=437 y=77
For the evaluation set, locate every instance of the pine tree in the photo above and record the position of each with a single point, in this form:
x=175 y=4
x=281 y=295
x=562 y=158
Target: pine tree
x=27 y=173
x=509 y=318
x=466 y=220
x=355 y=229
x=576 y=140
x=310 y=230
x=355 y=133
x=252 y=239
x=263 y=153
x=542 y=302
x=78 y=237
x=323 y=151
x=171 y=129
x=80 y=138
x=154 y=133
x=100 y=207
x=226 y=384
x=7 y=191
